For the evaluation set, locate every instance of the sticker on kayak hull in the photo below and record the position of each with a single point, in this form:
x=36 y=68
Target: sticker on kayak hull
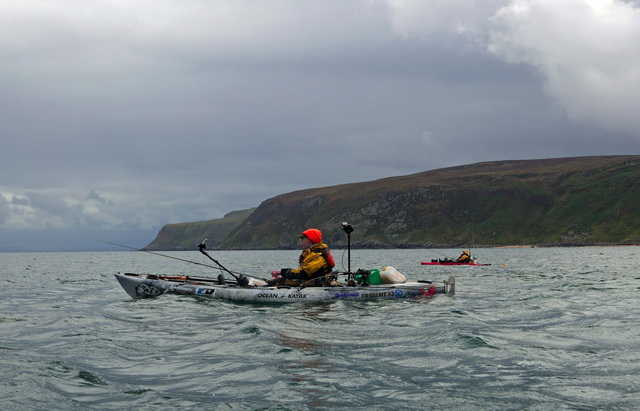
x=347 y=295
x=380 y=294
x=429 y=291
x=147 y=290
x=271 y=296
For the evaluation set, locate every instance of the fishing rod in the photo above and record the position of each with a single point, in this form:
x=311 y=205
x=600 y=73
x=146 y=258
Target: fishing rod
x=202 y=246
x=161 y=255
x=219 y=267
x=444 y=255
x=218 y=280
x=323 y=277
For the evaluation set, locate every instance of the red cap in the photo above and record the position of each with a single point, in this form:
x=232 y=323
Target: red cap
x=313 y=234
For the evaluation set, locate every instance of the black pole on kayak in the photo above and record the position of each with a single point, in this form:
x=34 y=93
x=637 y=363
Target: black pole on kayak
x=202 y=246
x=348 y=228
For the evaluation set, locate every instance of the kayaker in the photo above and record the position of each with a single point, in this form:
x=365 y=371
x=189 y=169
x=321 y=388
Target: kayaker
x=315 y=262
x=464 y=257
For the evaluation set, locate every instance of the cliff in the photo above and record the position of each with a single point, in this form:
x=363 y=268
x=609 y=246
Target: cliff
x=187 y=236
x=563 y=201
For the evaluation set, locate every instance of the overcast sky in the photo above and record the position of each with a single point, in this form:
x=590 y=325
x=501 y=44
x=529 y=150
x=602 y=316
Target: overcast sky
x=120 y=116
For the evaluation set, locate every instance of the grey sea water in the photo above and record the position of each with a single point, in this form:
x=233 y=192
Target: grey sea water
x=539 y=329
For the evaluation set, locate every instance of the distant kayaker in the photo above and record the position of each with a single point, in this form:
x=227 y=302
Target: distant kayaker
x=315 y=262
x=464 y=257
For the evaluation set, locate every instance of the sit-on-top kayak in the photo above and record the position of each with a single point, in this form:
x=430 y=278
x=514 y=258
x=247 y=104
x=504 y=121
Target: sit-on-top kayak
x=448 y=263
x=153 y=285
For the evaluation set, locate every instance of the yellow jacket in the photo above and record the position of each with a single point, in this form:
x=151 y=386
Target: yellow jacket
x=313 y=264
x=464 y=258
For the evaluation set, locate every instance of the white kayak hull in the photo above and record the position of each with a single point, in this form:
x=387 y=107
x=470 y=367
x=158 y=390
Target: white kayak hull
x=152 y=285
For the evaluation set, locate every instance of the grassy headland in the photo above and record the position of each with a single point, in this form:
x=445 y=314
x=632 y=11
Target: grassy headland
x=550 y=202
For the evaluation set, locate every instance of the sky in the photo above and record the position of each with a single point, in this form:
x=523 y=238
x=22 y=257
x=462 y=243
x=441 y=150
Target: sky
x=117 y=117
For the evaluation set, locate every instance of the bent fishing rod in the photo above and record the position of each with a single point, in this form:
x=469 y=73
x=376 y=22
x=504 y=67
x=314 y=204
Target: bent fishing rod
x=176 y=258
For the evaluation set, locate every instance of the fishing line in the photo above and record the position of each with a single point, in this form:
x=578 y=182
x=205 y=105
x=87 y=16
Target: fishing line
x=444 y=255
x=344 y=252
x=172 y=257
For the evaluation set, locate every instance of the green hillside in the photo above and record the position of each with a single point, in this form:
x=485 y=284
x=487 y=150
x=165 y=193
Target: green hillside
x=187 y=236
x=563 y=201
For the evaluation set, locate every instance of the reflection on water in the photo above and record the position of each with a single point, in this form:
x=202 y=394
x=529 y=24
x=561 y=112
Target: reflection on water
x=306 y=361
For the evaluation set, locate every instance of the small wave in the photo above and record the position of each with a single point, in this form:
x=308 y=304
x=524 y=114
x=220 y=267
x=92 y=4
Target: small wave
x=473 y=341
x=90 y=379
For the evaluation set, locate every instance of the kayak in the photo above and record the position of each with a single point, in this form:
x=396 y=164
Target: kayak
x=153 y=285
x=448 y=263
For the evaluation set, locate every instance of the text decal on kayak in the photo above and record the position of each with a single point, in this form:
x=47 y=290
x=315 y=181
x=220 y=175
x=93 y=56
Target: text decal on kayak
x=280 y=295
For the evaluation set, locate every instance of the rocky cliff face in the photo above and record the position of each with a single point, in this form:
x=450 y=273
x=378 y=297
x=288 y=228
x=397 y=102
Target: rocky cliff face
x=187 y=236
x=566 y=201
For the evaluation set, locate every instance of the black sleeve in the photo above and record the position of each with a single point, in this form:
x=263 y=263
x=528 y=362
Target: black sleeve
x=286 y=273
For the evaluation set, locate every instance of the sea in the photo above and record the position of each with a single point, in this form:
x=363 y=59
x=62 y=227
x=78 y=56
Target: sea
x=538 y=329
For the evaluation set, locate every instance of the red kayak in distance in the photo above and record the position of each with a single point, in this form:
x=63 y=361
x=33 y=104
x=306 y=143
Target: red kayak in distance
x=448 y=263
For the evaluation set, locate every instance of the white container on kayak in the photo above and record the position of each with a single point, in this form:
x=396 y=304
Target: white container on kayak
x=390 y=275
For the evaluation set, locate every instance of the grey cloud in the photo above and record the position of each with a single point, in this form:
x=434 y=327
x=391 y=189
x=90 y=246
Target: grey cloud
x=49 y=203
x=19 y=201
x=93 y=195
x=186 y=110
x=586 y=51
x=4 y=209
